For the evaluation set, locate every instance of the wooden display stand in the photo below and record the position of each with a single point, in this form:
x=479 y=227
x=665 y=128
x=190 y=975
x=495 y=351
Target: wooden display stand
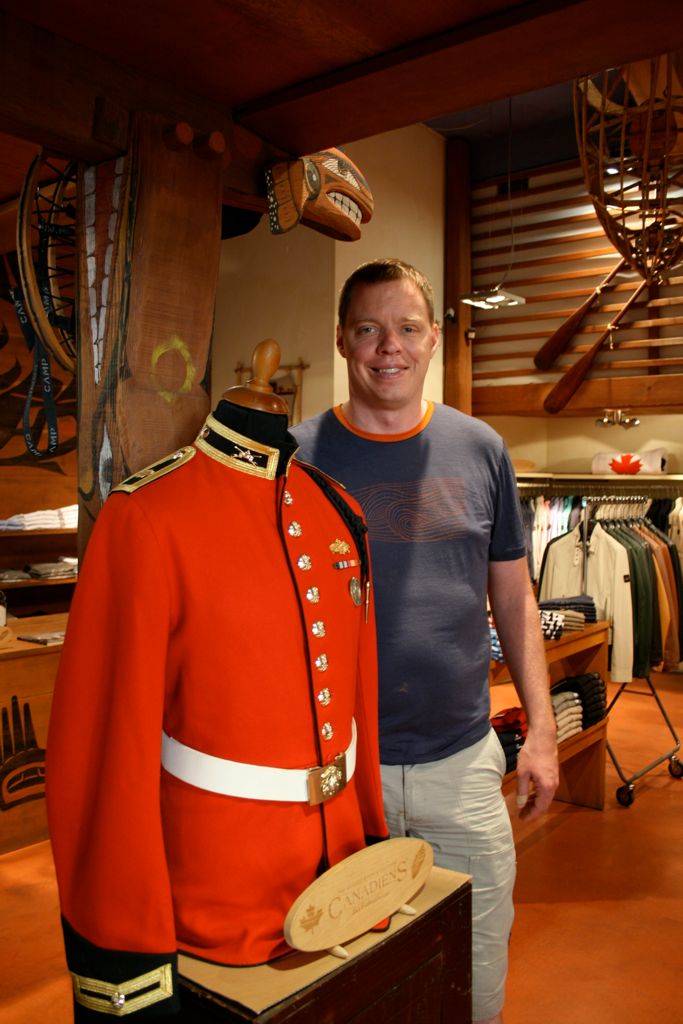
x=418 y=970
x=27 y=677
x=582 y=756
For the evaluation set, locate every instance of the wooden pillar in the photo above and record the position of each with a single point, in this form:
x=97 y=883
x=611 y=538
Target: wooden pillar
x=457 y=347
x=149 y=250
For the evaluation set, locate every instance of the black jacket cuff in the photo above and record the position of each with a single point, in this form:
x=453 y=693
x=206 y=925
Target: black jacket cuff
x=111 y=983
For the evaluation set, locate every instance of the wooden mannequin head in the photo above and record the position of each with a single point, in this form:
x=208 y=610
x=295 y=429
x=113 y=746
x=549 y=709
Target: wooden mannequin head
x=258 y=393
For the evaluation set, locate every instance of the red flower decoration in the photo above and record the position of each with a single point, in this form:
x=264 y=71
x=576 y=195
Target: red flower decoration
x=628 y=464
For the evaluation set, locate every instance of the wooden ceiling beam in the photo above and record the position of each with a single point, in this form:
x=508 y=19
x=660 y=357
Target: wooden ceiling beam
x=524 y=48
x=76 y=103
x=68 y=98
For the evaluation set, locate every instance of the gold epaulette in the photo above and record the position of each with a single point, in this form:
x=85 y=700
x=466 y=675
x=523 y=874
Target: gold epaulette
x=156 y=470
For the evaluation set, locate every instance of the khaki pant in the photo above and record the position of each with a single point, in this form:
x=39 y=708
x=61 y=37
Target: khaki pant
x=457 y=806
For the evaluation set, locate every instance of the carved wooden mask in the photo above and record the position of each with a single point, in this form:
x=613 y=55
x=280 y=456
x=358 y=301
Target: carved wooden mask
x=325 y=191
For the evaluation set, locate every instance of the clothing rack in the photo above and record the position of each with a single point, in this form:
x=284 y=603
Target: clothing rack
x=549 y=484
x=590 y=505
x=633 y=505
x=622 y=489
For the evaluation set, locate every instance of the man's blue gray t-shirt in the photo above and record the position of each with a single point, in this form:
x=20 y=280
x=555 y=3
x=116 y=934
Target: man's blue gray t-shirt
x=440 y=503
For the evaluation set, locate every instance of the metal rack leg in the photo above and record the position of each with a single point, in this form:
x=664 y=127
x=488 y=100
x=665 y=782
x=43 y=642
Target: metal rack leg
x=626 y=793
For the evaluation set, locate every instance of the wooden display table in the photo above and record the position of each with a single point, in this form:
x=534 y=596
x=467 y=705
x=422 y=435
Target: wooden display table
x=582 y=756
x=27 y=677
x=418 y=970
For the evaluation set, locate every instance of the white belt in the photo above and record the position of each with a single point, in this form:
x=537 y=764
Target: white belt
x=255 y=781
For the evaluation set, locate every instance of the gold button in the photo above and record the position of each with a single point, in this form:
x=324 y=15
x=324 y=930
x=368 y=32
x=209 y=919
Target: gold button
x=321 y=663
x=318 y=629
x=304 y=562
x=294 y=529
x=287 y=498
x=327 y=731
x=324 y=697
x=313 y=595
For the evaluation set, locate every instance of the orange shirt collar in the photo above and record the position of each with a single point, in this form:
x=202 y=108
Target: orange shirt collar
x=337 y=410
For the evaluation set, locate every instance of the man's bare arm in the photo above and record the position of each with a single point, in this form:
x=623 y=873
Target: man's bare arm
x=515 y=612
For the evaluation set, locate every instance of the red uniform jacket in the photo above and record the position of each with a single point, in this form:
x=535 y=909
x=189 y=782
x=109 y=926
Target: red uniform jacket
x=211 y=605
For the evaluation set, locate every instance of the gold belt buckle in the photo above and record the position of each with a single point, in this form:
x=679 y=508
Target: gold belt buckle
x=326 y=781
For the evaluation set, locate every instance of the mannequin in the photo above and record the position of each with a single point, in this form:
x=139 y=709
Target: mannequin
x=254 y=410
x=217 y=690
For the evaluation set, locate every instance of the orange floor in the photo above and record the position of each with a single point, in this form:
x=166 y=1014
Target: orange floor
x=597 y=938
x=599 y=896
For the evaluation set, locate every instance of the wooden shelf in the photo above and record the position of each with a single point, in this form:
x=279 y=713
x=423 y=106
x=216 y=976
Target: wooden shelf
x=59 y=531
x=37 y=581
x=581 y=756
x=21 y=649
x=582 y=768
x=35 y=596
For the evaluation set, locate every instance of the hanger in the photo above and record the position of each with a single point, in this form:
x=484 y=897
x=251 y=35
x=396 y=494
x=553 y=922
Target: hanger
x=258 y=393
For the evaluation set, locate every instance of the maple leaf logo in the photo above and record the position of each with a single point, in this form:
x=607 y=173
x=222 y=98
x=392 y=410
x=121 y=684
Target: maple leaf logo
x=627 y=464
x=311 y=918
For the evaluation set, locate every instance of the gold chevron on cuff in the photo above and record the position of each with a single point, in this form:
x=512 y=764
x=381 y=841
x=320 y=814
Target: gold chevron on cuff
x=126 y=996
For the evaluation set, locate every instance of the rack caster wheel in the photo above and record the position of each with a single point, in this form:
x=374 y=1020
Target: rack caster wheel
x=625 y=795
x=675 y=768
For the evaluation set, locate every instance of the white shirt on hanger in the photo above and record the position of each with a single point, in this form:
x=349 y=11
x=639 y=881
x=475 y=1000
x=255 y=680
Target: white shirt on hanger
x=607 y=581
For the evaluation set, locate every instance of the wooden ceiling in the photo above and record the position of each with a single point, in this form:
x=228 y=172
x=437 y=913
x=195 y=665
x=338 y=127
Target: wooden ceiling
x=291 y=76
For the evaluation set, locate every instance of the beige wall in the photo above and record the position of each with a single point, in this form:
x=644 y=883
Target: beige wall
x=568 y=444
x=274 y=286
x=286 y=286
x=406 y=172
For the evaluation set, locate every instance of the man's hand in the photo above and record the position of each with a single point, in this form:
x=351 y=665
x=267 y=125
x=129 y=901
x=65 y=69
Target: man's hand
x=537 y=775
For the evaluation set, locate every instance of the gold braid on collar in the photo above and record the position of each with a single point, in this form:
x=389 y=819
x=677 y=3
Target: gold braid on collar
x=235 y=450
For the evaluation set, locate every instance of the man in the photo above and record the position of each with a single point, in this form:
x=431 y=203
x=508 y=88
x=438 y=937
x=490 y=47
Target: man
x=438 y=492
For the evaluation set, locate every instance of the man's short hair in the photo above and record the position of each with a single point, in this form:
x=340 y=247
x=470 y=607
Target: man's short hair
x=379 y=272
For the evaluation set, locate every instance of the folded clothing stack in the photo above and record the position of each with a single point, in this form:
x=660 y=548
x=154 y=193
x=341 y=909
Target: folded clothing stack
x=582 y=603
x=591 y=693
x=496 y=649
x=573 y=620
x=568 y=712
x=45 y=519
x=552 y=623
x=52 y=570
x=510 y=726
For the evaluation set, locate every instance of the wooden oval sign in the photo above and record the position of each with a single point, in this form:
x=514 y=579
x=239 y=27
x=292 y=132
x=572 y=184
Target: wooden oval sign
x=358 y=893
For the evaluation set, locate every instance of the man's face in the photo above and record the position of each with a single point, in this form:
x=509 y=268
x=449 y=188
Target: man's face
x=388 y=342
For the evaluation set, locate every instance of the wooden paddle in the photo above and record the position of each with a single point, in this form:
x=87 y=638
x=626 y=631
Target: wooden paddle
x=569 y=383
x=558 y=342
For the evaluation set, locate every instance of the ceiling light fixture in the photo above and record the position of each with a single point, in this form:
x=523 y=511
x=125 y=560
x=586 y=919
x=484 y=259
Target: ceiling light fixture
x=492 y=298
x=617 y=418
x=495 y=297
